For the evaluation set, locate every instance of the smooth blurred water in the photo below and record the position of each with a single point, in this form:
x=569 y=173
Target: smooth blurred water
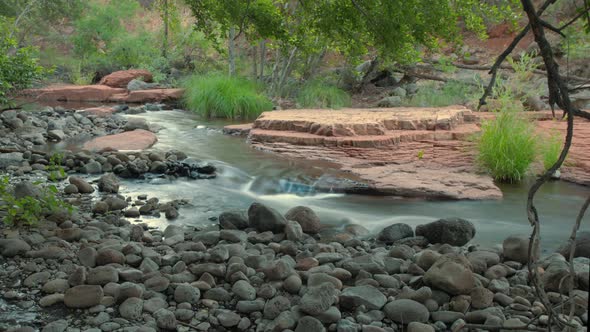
x=247 y=175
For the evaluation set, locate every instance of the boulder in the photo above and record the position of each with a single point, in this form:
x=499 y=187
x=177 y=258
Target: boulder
x=131 y=140
x=81 y=184
x=83 y=296
x=405 y=311
x=306 y=217
x=13 y=247
x=394 y=233
x=451 y=273
x=582 y=248
x=264 y=218
x=366 y=295
x=516 y=248
x=108 y=183
x=120 y=79
x=453 y=231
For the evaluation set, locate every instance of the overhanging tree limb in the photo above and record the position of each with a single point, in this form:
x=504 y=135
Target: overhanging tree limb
x=559 y=95
x=504 y=55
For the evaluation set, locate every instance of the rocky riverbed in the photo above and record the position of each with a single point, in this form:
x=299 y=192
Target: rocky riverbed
x=103 y=268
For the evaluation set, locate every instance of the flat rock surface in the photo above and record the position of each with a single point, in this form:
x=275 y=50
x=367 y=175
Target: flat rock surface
x=412 y=152
x=138 y=139
x=102 y=93
x=101 y=111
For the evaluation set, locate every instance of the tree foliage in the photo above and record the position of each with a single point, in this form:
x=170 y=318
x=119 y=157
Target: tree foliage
x=393 y=28
x=18 y=66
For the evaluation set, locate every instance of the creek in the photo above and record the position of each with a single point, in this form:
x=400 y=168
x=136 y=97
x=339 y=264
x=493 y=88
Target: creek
x=246 y=175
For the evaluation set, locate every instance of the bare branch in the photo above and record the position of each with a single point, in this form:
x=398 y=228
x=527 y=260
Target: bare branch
x=507 y=328
x=504 y=55
x=551 y=27
x=574 y=19
x=571 y=256
x=558 y=94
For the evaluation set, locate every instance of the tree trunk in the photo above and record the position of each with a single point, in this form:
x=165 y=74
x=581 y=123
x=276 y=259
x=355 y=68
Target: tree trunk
x=232 y=51
x=165 y=41
x=254 y=62
x=262 y=58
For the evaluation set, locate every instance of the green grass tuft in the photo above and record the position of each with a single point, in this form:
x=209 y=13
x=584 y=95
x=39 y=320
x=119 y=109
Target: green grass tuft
x=317 y=94
x=220 y=96
x=551 y=149
x=507 y=146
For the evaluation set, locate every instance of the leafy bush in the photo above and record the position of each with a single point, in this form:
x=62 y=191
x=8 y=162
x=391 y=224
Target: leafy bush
x=18 y=66
x=29 y=210
x=451 y=93
x=507 y=146
x=551 y=149
x=220 y=96
x=317 y=94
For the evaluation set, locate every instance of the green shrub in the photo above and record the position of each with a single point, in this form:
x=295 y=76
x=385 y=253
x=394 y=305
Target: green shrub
x=317 y=94
x=29 y=210
x=450 y=93
x=19 y=66
x=220 y=96
x=551 y=149
x=507 y=146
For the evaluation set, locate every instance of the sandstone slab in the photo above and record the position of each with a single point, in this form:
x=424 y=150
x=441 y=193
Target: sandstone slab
x=131 y=140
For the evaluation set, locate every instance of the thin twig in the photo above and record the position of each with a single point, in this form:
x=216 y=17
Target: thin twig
x=504 y=55
x=571 y=256
x=574 y=19
x=500 y=327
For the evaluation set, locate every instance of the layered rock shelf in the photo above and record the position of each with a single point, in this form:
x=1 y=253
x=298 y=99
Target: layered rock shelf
x=126 y=86
x=411 y=152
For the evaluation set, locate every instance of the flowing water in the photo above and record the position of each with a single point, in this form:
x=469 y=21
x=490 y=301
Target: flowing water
x=247 y=175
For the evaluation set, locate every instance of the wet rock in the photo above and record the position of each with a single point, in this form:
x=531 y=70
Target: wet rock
x=56 y=326
x=102 y=275
x=87 y=257
x=56 y=286
x=186 y=293
x=93 y=167
x=264 y=218
x=306 y=217
x=405 y=311
x=516 y=248
x=293 y=231
x=481 y=298
x=244 y=290
x=453 y=231
x=394 y=233
x=108 y=256
x=82 y=186
x=13 y=247
x=108 y=183
x=419 y=327
x=452 y=274
x=83 y=296
x=308 y=324
x=233 y=220
x=37 y=279
x=318 y=299
x=165 y=319
x=275 y=306
x=131 y=308
x=582 y=248
x=228 y=318
x=366 y=295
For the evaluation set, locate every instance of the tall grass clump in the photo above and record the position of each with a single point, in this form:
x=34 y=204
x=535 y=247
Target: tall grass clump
x=507 y=146
x=220 y=96
x=317 y=94
x=551 y=149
